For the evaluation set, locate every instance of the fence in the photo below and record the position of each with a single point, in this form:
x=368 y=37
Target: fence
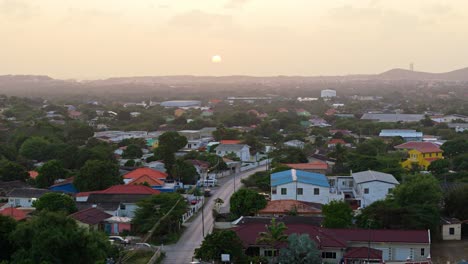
x=155 y=257
x=195 y=208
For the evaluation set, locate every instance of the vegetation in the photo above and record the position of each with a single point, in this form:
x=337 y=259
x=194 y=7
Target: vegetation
x=97 y=175
x=337 y=214
x=56 y=202
x=221 y=242
x=301 y=249
x=246 y=202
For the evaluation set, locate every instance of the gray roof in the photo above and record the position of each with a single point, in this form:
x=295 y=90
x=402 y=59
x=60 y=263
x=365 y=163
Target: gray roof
x=27 y=192
x=393 y=117
x=368 y=176
x=230 y=147
x=455 y=125
x=404 y=133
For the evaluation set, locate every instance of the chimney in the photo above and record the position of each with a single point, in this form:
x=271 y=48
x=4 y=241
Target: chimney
x=293 y=174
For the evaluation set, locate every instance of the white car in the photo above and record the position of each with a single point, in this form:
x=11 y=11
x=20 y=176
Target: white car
x=143 y=245
x=119 y=239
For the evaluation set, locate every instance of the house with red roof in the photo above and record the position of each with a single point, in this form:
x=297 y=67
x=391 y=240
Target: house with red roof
x=315 y=166
x=335 y=141
x=118 y=200
x=14 y=213
x=91 y=218
x=151 y=173
x=349 y=245
x=420 y=154
x=286 y=207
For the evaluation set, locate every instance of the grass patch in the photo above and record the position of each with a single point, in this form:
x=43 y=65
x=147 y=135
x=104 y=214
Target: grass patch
x=140 y=257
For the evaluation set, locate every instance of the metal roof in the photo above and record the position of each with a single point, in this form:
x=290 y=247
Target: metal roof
x=404 y=133
x=393 y=117
x=288 y=176
x=368 y=176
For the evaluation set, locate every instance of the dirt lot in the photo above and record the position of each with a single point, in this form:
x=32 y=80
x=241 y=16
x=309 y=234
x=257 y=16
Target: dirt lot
x=452 y=251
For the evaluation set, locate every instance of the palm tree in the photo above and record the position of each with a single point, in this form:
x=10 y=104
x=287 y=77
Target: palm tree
x=273 y=236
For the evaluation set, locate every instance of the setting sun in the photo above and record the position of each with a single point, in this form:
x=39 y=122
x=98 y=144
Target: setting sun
x=216 y=59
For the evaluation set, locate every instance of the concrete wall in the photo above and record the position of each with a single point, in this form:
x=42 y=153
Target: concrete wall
x=446 y=232
x=377 y=191
x=20 y=202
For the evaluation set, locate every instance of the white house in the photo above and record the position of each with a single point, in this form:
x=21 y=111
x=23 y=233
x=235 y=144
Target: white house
x=364 y=187
x=451 y=228
x=328 y=93
x=240 y=150
x=24 y=197
x=302 y=186
x=294 y=144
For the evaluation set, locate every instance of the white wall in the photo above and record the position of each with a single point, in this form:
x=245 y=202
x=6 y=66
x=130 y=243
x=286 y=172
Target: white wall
x=308 y=193
x=377 y=191
x=129 y=210
x=20 y=202
x=446 y=232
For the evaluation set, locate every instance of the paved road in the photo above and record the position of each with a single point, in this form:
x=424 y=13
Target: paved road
x=182 y=252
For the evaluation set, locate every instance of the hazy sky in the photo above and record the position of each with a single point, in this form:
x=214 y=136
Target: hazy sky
x=104 y=38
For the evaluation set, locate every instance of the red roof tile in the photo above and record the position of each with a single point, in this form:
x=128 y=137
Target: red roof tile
x=316 y=165
x=423 y=147
x=337 y=141
x=145 y=171
x=230 y=142
x=14 y=213
x=123 y=189
x=145 y=178
x=90 y=216
x=362 y=253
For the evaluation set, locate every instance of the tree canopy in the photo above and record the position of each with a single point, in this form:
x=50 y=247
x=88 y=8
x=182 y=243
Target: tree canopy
x=49 y=172
x=301 y=250
x=221 y=242
x=338 y=214
x=56 y=202
x=11 y=171
x=132 y=152
x=97 y=175
x=246 y=202
x=34 y=148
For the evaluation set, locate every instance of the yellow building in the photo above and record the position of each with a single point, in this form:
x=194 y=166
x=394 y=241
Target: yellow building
x=420 y=154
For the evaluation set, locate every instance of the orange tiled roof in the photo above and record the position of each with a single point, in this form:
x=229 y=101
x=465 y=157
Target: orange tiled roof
x=316 y=165
x=423 y=147
x=230 y=142
x=337 y=141
x=17 y=214
x=145 y=171
x=33 y=174
x=145 y=178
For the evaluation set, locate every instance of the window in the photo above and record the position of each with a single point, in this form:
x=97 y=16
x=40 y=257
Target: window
x=273 y=190
x=316 y=191
x=422 y=252
x=452 y=231
x=300 y=191
x=329 y=255
x=122 y=207
x=366 y=190
x=284 y=191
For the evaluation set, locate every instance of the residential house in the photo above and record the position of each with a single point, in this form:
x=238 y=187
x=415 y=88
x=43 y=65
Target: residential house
x=347 y=245
x=302 y=186
x=64 y=186
x=115 y=225
x=240 y=150
x=230 y=141
x=290 y=207
x=315 y=166
x=294 y=144
x=327 y=93
x=118 y=200
x=420 y=154
x=363 y=188
x=459 y=127
x=451 y=228
x=318 y=122
x=14 y=213
x=24 y=197
x=6 y=187
x=406 y=134
x=335 y=141
x=449 y=118
x=91 y=218
x=137 y=173
x=393 y=118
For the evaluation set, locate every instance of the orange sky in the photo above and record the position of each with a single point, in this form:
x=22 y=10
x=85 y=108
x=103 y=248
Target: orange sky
x=104 y=38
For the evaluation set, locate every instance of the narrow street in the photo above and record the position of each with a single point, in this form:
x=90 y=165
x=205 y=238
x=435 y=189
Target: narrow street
x=182 y=252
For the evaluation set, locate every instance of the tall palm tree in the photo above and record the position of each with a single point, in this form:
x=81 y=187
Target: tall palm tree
x=273 y=236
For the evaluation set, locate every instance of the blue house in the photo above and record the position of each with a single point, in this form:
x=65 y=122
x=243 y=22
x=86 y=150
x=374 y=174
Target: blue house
x=64 y=186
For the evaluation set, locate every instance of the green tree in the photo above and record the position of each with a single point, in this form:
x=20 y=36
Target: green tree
x=34 y=148
x=55 y=238
x=410 y=193
x=455 y=203
x=185 y=171
x=338 y=214
x=130 y=163
x=11 y=171
x=273 y=236
x=454 y=148
x=289 y=155
x=132 y=152
x=97 y=175
x=221 y=242
x=246 y=202
x=7 y=226
x=440 y=166
x=152 y=209
x=78 y=131
x=172 y=140
x=301 y=250
x=56 y=202
x=49 y=172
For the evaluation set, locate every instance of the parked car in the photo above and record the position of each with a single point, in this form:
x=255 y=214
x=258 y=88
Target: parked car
x=143 y=245
x=119 y=239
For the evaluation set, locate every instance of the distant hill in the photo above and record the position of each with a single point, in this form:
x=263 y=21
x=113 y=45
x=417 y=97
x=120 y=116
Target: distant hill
x=402 y=74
